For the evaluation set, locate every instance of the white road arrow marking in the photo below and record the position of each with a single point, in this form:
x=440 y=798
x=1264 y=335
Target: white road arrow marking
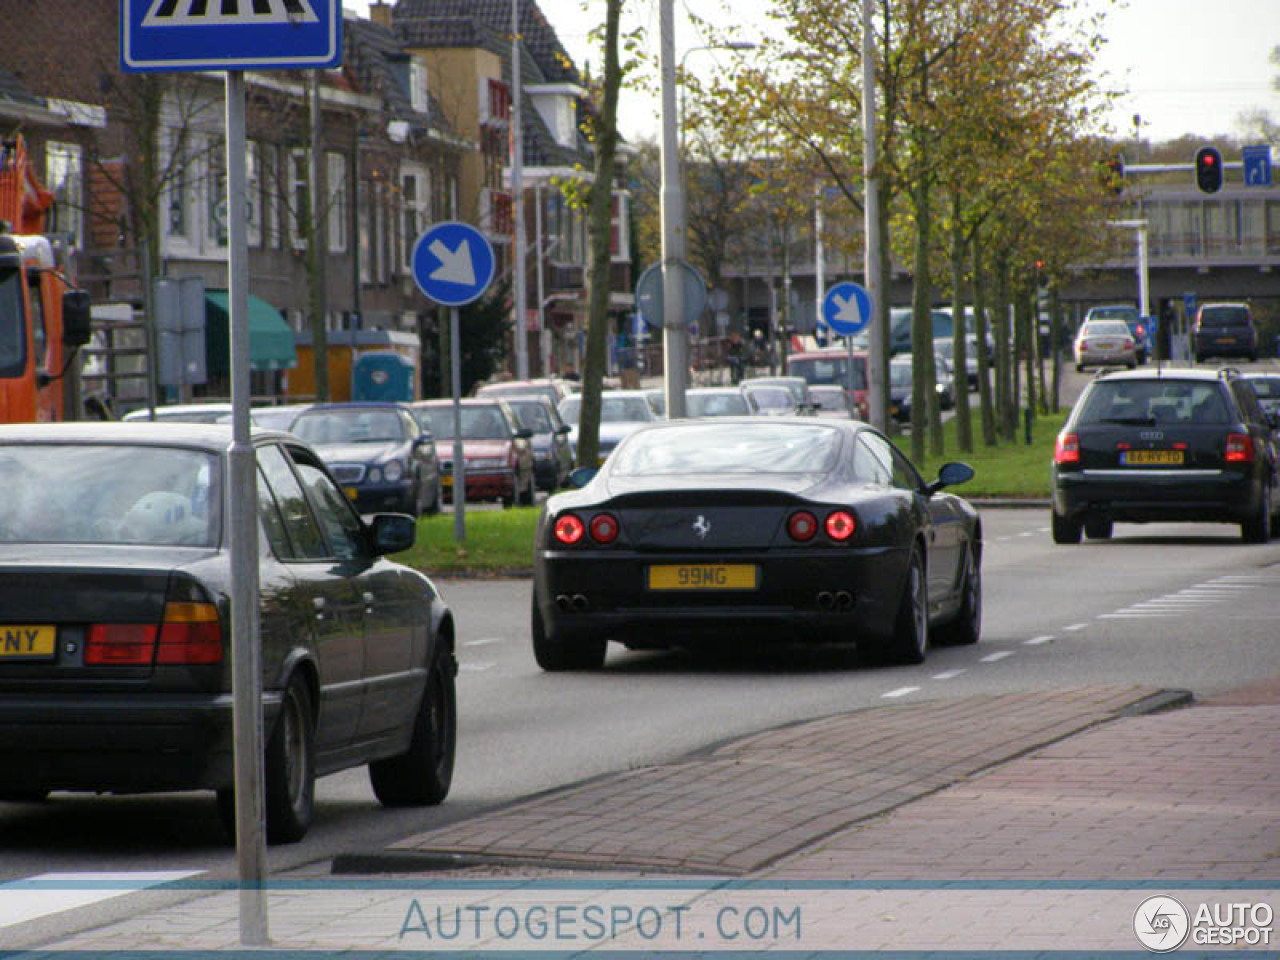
x=455 y=265
x=847 y=310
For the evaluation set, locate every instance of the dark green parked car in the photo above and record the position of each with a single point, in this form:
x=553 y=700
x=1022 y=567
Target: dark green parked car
x=115 y=660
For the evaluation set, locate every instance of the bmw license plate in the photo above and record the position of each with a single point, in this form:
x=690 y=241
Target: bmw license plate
x=1164 y=458
x=27 y=642
x=704 y=576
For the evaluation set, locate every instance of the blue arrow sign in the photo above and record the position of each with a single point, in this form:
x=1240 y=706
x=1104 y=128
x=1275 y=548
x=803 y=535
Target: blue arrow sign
x=453 y=263
x=846 y=308
x=179 y=35
x=1257 y=165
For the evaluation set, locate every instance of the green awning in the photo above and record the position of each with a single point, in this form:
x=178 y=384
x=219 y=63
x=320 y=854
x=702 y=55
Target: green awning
x=270 y=339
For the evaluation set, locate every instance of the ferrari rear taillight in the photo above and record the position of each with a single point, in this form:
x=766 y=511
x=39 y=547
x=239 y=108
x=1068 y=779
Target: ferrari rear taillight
x=802 y=525
x=120 y=644
x=568 y=529
x=604 y=528
x=840 y=525
x=1067 y=449
x=190 y=634
x=1239 y=448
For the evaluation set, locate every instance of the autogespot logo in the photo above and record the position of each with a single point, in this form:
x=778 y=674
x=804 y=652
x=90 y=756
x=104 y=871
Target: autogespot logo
x=1161 y=924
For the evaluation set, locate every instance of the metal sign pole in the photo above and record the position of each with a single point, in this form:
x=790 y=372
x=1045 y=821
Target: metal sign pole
x=242 y=513
x=871 y=228
x=459 y=467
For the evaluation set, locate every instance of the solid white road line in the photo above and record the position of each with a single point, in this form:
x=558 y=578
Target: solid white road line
x=49 y=893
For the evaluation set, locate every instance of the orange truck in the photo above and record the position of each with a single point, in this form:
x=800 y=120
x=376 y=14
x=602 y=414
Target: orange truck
x=44 y=320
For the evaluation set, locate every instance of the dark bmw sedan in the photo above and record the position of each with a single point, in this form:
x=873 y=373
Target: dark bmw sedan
x=115 y=660
x=794 y=529
x=1165 y=445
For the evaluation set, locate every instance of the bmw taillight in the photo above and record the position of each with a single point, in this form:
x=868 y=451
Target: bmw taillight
x=568 y=529
x=1239 y=448
x=604 y=528
x=1067 y=449
x=802 y=525
x=120 y=644
x=190 y=634
x=840 y=525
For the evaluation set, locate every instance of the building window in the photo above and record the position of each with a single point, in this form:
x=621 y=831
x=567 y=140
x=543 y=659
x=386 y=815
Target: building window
x=215 y=198
x=418 y=86
x=253 y=192
x=299 y=199
x=338 y=211
x=64 y=175
x=619 y=232
x=415 y=195
x=366 y=217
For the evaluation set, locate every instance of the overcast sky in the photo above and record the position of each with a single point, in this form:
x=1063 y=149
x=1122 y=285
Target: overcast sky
x=1191 y=66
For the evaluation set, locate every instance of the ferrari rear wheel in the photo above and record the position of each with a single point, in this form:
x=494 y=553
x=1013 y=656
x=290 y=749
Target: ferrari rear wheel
x=555 y=656
x=911 y=629
x=1098 y=528
x=967 y=626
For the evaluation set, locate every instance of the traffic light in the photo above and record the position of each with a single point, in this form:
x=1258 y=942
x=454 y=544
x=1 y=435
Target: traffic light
x=1209 y=169
x=1116 y=168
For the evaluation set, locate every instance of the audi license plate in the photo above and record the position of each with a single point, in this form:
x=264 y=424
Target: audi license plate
x=704 y=576
x=27 y=642
x=1164 y=458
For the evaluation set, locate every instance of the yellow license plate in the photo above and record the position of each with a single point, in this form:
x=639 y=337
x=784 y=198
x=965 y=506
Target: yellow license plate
x=447 y=480
x=704 y=576
x=27 y=642
x=1154 y=457
x=351 y=492
x=1226 y=339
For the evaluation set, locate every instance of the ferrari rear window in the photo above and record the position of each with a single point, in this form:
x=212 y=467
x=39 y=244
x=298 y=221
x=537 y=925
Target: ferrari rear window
x=738 y=448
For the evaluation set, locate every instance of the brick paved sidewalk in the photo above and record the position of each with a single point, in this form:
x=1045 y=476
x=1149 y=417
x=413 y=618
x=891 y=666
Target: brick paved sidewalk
x=743 y=806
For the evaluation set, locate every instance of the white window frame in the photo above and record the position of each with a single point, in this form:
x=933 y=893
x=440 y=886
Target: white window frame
x=415 y=210
x=418 y=85
x=338 y=209
x=253 y=192
x=298 y=187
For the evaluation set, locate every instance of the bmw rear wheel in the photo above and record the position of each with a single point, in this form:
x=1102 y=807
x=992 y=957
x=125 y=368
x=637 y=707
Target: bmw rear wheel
x=554 y=655
x=291 y=767
x=911 y=629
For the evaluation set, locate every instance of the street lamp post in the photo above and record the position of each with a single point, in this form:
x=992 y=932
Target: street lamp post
x=675 y=333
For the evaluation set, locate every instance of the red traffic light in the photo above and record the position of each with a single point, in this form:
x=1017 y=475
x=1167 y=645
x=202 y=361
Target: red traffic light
x=1209 y=169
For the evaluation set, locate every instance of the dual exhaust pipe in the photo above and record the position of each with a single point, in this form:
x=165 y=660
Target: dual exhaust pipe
x=840 y=600
x=576 y=603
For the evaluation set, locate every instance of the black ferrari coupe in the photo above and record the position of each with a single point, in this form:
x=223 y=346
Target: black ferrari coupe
x=792 y=528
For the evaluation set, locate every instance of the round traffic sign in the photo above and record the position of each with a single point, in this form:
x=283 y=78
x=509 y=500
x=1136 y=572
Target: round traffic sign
x=453 y=263
x=649 y=295
x=846 y=308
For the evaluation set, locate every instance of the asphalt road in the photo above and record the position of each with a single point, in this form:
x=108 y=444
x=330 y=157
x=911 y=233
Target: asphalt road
x=1150 y=606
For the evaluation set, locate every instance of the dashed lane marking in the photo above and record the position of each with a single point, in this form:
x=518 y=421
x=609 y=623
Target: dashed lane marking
x=998 y=655
x=478 y=667
x=948 y=674
x=484 y=641
x=1075 y=626
x=900 y=692
x=1037 y=641
x=50 y=893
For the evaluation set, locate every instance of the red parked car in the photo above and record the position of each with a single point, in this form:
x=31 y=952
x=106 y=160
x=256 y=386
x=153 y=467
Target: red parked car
x=496 y=451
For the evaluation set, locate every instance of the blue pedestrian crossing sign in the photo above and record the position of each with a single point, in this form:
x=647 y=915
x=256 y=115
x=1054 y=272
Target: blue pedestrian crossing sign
x=453 y=263
x=176 y=35
x=846 y=308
